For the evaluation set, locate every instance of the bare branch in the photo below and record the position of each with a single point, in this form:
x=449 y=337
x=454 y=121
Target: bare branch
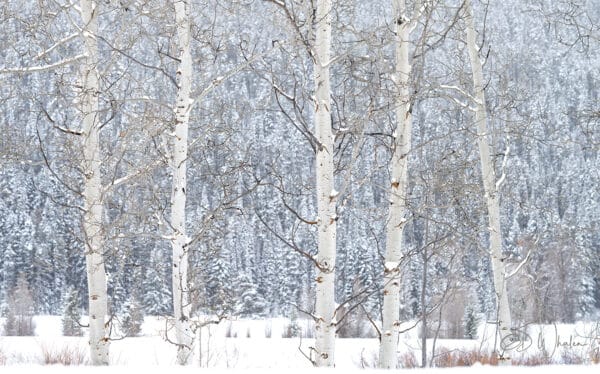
x=41 y=68
x=138 y=173
x=58 y=178
x=56 y=45
x=221 y=79
x=288 y=243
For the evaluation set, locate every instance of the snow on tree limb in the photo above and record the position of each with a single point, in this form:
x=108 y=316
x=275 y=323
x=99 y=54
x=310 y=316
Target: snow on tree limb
x=41 y=68
x=56 y=45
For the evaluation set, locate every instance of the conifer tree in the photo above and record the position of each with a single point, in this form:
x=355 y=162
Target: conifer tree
x=470 y=323
x=132 y=317
x=249 y=302
x=20 y=310
x=71 y=314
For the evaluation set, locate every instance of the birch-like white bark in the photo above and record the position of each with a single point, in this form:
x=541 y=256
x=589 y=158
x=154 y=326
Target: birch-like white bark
x=326 y=195
x=399 y=185
x=92 y=192
x=184 y=334
x=490 y=190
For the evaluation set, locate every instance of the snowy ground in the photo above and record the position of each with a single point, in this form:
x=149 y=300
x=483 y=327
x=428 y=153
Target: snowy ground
x=246 y=345
x=190 y=370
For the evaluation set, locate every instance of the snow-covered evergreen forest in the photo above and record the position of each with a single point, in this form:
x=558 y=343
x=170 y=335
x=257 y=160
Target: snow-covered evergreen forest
x=189 y=151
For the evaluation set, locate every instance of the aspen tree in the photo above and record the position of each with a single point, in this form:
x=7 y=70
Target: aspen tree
x=491 y=187
x=92 y=190
x=399 y=186
x=184 y=334
x=326 y=193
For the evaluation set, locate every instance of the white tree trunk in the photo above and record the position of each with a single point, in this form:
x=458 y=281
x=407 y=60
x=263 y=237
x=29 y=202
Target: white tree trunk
x=326 y=194
x=184 y=334
x=92 y=193
x=489 y=186
x=399 y=186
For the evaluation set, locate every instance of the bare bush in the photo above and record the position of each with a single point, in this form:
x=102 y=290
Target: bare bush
x=537 y=359
x=452 y=358
x=65 y=355
x=407 y=360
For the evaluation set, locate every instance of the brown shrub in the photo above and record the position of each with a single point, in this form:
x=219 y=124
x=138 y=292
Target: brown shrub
x=532 y=360
x=65 y=355
x=451 y=358
x=407 y=360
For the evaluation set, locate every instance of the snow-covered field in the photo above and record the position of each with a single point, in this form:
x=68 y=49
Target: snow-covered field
x=190 y=370
x=254 y=346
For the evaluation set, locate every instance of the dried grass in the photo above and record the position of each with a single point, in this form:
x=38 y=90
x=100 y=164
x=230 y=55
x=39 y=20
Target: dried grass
x=595 y=355
x=407 y=360
x=446 y=358
x=65 y=355
x=532 y=360
x=451 y=358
